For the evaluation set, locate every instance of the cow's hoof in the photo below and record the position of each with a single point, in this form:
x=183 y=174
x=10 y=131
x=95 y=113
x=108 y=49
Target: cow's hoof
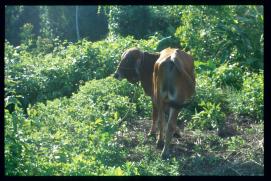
x=159 y=144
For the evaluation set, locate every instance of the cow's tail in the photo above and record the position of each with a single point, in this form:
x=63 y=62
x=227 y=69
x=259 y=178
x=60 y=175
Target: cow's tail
x=164 y=86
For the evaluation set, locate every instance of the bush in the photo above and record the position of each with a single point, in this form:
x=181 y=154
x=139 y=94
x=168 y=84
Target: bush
x=206 y=32
x=15 y=145
x=229 y=75
x=26 y=34
x=108 y=94
x=144 y=105
x=81 y=132
x=127 y=20
x=211 y=117
x=207 y=91
x=249 y=101
x=165 y=19
x=41 y=75
x=124 y=20
x=209 y=101
x=46 y=45
x=170 y=41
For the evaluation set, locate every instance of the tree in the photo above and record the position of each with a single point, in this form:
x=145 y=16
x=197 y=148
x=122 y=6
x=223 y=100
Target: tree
x=76 y=20
x=16 y=17
x=210 y=36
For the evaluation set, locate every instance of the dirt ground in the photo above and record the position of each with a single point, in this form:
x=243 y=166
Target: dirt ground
x=241 y=161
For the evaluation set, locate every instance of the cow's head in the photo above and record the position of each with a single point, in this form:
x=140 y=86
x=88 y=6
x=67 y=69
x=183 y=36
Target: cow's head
x=129 y=65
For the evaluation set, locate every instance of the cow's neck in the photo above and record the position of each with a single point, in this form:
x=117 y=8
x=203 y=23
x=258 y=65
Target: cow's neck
x=146 y=71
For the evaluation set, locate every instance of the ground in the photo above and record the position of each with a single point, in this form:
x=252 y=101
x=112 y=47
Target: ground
x=235 y=150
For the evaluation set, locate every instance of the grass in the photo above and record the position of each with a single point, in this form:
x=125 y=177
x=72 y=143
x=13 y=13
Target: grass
x=82 y=138
x=197 y=152
x=79 y=135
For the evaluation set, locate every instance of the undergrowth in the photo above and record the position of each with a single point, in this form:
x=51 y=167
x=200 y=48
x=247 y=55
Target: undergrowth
x=81 y=121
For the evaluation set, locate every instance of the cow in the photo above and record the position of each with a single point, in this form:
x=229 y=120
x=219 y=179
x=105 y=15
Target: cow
x=168 y=78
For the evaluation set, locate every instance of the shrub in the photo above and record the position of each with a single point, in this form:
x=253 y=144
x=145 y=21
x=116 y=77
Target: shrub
x=81 y=132
x=127 y=20
x=26 y=34
x=123 y=20
x=207 y=91
x=42 y=76
x=249 y=101
x=165 y=19
x=235 y=143
x=157 y=166
x=144 y=105
x=46 y=45
x=170 y=41
x=229 y=75
x=15 y=141
x=206 y=32
x=109 y=94
x=208 y=100
x=211 y=117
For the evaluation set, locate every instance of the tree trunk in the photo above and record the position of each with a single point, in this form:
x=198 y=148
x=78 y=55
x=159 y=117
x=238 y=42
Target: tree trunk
x=76 y=21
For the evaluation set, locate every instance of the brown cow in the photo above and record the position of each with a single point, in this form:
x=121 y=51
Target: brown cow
x=170 y=86
x=135 y=66
x=173 y=86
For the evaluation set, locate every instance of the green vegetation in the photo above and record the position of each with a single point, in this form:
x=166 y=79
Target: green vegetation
x=237 y=38
x=65 y=114
x=41 y=74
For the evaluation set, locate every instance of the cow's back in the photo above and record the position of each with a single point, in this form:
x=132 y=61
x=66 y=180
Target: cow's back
x=173 y=79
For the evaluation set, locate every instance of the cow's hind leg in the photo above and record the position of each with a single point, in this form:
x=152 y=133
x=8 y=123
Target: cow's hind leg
x=152 y=132
x=161 y=123
x=177 y=132
x=170 y=130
